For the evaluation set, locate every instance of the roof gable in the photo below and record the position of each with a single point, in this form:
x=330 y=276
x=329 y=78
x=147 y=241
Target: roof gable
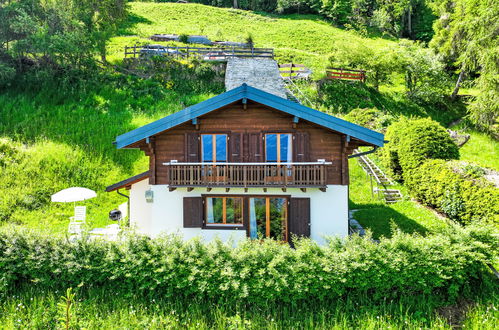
x=247 y=92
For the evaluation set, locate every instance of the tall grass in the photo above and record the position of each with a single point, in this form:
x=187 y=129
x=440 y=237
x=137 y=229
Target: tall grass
x=55 y=134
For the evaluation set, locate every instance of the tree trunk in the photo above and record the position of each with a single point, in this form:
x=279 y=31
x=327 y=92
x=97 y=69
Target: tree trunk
x=235 y=4
x=458 y=84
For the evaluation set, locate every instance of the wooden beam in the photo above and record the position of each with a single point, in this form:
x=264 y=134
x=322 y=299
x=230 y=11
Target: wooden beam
x=151 y=146
x=245 y=103
x=190 y=189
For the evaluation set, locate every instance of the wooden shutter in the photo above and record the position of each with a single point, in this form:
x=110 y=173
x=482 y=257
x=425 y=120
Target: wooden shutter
x=193 y=212
x=255 y=148
x=299 y=217
x=236 y=147
x=192 y=148
x=301 y=147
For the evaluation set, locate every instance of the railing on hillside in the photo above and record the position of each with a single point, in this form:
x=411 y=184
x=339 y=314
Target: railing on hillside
x=346 y=74
x=294 y=71
x=299 y=175
x=206 y=53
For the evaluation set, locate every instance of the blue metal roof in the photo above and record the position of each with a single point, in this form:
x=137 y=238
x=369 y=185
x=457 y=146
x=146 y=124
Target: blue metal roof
x=257 y=95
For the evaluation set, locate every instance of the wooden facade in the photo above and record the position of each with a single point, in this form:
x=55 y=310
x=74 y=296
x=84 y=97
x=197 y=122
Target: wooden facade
x=246 y=125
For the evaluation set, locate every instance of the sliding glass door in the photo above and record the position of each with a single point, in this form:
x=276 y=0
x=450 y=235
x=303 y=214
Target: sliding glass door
x=268 y=217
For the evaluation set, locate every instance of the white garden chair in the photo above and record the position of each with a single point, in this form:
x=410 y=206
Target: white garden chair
x=77 y=221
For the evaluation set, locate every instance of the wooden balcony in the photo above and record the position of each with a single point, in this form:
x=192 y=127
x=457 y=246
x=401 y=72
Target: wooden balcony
x=247 y=175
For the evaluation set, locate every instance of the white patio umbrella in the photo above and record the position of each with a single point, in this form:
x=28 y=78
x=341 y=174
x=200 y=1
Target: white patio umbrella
x=73 y=194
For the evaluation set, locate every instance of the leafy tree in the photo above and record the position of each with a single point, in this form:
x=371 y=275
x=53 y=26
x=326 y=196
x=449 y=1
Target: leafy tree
x=466 y=35
x=425 y=75
x=379 y=64
x=338 y=10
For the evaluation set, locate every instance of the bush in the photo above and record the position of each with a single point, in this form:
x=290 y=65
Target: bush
x=438 y=184
x=253 y=272
x=369 y=117
x=412 y=141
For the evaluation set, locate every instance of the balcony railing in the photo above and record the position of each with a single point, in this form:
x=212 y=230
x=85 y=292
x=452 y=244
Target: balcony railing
x=281 y=175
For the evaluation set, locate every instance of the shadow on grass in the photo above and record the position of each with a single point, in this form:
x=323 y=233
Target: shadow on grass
x=380 y=219
x=126 y=27
x=344 y=96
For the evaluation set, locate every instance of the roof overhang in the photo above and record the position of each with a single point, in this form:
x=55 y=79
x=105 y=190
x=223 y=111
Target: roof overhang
x=242 y=92
x=127 y=183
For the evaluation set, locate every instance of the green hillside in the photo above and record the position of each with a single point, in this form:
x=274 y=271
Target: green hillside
x=306 y=39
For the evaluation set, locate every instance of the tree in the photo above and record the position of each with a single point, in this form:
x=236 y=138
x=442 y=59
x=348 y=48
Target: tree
x=379 y=64
x=466 y=35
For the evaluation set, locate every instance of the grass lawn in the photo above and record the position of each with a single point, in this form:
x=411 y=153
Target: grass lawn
x=379 y=217
x=481 y=149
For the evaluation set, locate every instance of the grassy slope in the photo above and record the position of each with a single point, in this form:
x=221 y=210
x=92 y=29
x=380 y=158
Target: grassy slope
x=303 y=39
x=481 y=149
x=379 y=217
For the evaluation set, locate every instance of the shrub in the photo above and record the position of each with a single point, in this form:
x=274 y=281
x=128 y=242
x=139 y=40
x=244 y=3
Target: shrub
x=184 y=38
x=369 y=117
x=436 y=183
x=253 y=272
x=412 y=141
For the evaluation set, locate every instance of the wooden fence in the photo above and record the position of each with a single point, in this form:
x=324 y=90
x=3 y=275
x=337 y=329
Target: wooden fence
x=206 y=53
x=346 y=74
x=293 y=71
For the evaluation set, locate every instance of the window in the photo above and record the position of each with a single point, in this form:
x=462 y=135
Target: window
x=224 y=211
x=214 y=148
x=278 y=147
x=268 y=217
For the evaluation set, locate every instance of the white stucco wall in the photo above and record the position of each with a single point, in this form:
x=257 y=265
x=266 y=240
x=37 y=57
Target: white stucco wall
x=140 y=210
x=329 y=210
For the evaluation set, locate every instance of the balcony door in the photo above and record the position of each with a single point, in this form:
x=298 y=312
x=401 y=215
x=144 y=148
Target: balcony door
x=268 y=217
x=214 y=150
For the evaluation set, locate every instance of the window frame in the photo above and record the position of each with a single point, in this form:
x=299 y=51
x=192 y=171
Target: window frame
x=245 y=224
x=214 y=146
x=278 y=145
x=223 y=225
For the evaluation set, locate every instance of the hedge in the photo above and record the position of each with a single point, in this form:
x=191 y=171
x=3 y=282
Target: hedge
x=412 y=141
x=438 y=184
x=253 y=272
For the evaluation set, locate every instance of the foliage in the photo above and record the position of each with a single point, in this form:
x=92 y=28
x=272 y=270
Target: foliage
x=412 y=141
x=466 y=35
x=379 y=64
x=253 y=272
x=54 y=35
x=338 y=10
x=467 y=199
x=425 y=76
x=369 y=117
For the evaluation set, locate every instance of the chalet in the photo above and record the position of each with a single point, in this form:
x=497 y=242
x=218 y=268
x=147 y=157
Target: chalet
x=245 y=163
